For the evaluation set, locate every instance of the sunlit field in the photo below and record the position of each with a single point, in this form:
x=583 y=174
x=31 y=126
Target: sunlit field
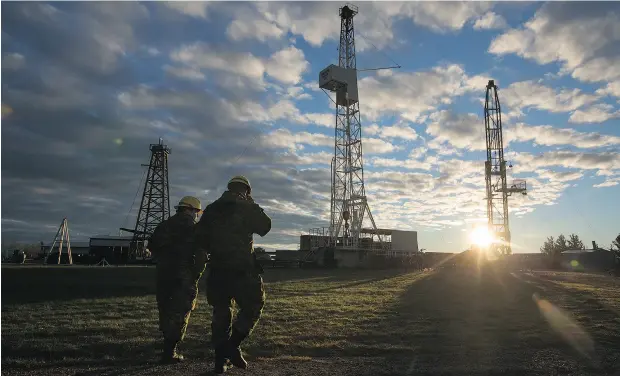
x=102 y=321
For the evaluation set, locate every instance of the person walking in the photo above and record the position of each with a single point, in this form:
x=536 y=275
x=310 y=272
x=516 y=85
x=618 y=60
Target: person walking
x=179 y=268
x=225 y=231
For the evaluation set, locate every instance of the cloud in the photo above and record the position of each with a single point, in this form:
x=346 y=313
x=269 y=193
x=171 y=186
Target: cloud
x=196 y=9
x=612 y=88
x=597 y=113
x=583 y=37
x=106 y=32
x=552 y=136
x=319 y=22
x=184 y=73
x=398 y=131
x=412 y=95
x=13 y=61
x=285 y=66
x=464 y=131
x=490 y=20
x=529 y=94
x=442 y=16
x=567 y=159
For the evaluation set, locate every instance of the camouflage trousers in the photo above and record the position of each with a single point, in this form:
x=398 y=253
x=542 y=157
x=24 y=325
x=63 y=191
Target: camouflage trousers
x=248 y=292
x=176 y=299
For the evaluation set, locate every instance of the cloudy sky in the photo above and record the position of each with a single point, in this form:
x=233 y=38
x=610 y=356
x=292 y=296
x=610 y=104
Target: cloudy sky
x=232 y=88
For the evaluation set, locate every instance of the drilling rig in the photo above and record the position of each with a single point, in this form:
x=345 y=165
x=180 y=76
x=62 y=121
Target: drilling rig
x=349 y=204
x=497 y=189
x=155 y=203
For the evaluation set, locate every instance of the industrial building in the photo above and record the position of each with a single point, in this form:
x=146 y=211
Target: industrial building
x=315 y=247
x=77 y=248
x=114 y=249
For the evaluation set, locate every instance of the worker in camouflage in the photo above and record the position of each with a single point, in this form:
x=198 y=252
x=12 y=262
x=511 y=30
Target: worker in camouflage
x=179 y=267
x=225 y=231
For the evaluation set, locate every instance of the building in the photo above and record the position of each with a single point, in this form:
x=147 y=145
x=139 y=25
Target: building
x=588 y=259
x=395 y=244
x=114 y=249
x=77 y=248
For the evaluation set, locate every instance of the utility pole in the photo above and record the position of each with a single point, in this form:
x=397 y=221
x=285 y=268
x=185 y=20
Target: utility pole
x=497 y=189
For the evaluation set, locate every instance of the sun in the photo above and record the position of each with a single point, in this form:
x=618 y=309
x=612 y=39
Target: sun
x=481 y=237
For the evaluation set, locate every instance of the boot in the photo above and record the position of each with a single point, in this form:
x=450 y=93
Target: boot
x=170 y=354
x=221 y=363
x=234 y=351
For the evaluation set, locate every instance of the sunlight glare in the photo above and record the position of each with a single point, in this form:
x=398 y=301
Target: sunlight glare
x=481 y=237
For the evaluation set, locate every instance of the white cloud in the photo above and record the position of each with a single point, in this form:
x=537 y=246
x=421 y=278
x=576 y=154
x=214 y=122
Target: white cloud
x=318 y=22
x=490 y=20
x=552 y=136
x=411 y=95
x=410 y=164
x=578 y=35
x=612 y=88
x=248 y=28
x=568 y=159
x=13 y=61
x=441 y=16
x=185 y=73
x=607 y=183
x=597 y=113
x=284 y=138
x=285 y=66
x=465 y=131
x=529 y=94
x=561 y=176
x=377 y=146
x=196 y=9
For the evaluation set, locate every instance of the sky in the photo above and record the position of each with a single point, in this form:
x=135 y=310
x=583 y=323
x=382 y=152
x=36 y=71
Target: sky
x=233 y=89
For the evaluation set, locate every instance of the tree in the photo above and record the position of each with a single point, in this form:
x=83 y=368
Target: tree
x=548 y=247
x=575 y=243
x=617 y=242
x=560 y=244
x=259 y=250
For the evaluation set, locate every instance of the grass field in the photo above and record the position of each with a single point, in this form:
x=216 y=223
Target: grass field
x=102 y=321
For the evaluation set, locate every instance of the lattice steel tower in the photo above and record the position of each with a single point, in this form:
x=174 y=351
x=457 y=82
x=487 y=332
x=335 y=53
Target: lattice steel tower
x=155 y=204
x=348 y=196
x=495 y=174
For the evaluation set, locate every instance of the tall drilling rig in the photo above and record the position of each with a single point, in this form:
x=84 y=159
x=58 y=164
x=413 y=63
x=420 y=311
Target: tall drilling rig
x=155 y=203
x=495 y=175
x=348 y=196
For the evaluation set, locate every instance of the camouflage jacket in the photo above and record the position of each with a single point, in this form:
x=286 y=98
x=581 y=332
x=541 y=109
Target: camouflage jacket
x=172 y=243
x=226 y=229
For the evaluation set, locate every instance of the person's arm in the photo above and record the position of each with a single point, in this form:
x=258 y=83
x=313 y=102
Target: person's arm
x=261 y=223
x=199 y=247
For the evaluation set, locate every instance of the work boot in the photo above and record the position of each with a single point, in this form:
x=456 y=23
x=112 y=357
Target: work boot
x=170 y=355
x=221 y=363
x=234 y=351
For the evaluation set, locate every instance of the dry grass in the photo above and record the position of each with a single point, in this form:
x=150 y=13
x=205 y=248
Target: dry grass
x=102 y=321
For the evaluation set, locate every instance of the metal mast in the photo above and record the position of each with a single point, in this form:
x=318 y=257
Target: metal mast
x=495 y=174
x=155 y=204
x=348 y=196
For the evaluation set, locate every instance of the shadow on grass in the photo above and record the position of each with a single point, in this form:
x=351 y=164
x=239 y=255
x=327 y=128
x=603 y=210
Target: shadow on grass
x=53 y=283
x=458 y=322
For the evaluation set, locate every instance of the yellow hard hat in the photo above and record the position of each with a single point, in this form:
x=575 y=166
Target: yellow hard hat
x=240 y=179
x=189 y=201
